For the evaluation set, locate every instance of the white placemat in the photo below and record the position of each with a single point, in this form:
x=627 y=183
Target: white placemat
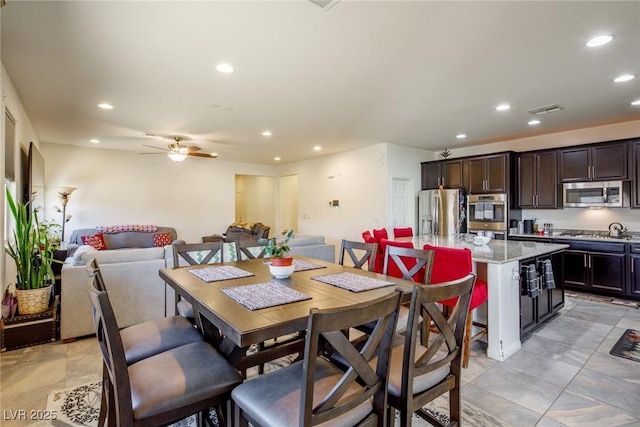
x=224 y=272
x=352 y=282
x=263 y=295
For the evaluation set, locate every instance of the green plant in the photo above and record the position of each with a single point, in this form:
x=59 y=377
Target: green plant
x=29 y=247
x=53 y=232
x=280 y=249
x=445 y=153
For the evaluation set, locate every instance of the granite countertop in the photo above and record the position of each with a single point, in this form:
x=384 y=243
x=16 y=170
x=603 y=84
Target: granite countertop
x=495 y=252
x=598 y=236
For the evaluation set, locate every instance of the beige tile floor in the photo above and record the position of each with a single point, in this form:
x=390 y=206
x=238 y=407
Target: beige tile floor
x=563 y=376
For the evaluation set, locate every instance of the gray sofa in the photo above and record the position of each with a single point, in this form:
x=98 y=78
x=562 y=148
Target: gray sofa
x=312 y=247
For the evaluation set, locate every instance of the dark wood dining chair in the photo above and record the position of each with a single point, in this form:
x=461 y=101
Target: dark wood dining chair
x=358 y=253
x=419 y=374
x=251 y=248
x=193 y=254
x=163 y=388
x=314 y=390
x=407 y=262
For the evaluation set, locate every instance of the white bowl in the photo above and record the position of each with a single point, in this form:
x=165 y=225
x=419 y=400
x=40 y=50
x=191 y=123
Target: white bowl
x=281 y=272
x=481 y=240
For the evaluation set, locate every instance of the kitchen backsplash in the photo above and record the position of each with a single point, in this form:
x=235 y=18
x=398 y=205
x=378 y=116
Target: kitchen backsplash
x=584 y=218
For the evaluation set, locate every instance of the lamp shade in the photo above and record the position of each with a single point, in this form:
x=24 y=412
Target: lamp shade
x=177 y=157
x=66 y=190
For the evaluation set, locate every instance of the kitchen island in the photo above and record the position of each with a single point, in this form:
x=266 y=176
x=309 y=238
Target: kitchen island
x=498 y=264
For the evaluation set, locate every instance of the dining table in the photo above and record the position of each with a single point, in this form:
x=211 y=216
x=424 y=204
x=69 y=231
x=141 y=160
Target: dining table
x=248 y=305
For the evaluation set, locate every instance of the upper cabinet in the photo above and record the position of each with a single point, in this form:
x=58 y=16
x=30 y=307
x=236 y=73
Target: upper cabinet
x=489 y=174
x=635 y=173
x=445 y=173
x=538 y=180
x=599 y=162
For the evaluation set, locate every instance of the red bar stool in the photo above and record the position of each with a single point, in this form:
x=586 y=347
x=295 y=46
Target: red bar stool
x=452 y=264
x=402 y=232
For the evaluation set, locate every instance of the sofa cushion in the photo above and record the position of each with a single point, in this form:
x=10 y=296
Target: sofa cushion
x=76 y=258
x=123 y=255
x=304 y=240
x=161 y=239
x=95 y=240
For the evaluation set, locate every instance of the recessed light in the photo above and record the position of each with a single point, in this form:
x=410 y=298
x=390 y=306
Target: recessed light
x=503 y=107
x=105 y=106
x=461 y=136
x=224 y=68
x=624 y=78
x=94 y=141
x=533 y=122
x=636 y=102
x=277 y=159
x=266 y=133
x=599 y=40
x=317 y=148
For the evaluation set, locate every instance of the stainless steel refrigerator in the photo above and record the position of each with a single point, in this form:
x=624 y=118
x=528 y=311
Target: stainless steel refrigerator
x=442 y=212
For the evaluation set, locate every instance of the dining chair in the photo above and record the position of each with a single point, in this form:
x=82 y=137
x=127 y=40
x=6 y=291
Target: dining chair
x=144 y=339
x=380 y=233
x=402 y=232
x=193 y=254
x=451 y=264
x=418 y=374
x=251 y=249
x=404 y=261
x=163 y=388
x=314 y=390
x=359 y=253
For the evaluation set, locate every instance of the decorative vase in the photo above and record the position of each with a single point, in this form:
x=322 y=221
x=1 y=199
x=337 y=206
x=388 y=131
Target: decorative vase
x=281 y=271
x=9 y=305
x=282 y=261
x=33 y=301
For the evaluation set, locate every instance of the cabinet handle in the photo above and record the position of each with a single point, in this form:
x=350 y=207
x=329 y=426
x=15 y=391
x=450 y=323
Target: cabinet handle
x=585 y=260
x=589 y=172
x=632 y=266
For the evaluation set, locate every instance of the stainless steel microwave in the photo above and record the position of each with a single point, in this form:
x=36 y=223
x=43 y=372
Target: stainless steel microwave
x=609 y=194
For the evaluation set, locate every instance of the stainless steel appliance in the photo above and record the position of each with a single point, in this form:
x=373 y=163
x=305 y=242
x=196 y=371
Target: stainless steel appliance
x=488 y=212
x=442 y=212
x=610 y=194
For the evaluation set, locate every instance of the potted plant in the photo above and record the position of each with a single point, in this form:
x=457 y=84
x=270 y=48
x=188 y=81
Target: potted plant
x=281 y=265
x=33 y=254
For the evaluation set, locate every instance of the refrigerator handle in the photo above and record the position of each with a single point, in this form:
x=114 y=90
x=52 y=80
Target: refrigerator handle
x=436 y=216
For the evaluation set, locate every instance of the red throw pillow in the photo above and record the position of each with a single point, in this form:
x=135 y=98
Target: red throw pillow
x=95 y=240
x=380 y=233
x=161 y=239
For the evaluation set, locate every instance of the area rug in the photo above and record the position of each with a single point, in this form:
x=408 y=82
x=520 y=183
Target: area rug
x=602 y=298
x=628 y=346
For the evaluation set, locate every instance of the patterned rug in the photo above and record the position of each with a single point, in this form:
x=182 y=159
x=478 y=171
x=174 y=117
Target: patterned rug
x=602 y=298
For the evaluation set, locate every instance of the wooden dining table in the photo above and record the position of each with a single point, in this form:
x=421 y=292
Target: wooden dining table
x=241 y=327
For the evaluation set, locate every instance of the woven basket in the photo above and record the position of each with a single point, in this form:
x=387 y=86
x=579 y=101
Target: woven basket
x=33 y=301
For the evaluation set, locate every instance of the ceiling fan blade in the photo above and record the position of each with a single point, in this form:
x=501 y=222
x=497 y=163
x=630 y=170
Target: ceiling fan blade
x=207 y=155
x=157 y=148
x=192 y=148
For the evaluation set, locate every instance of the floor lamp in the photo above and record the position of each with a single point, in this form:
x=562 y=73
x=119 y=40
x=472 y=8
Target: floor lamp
x=64 y=194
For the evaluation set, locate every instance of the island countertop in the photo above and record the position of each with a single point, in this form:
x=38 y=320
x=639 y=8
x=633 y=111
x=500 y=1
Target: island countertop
x=495 y=252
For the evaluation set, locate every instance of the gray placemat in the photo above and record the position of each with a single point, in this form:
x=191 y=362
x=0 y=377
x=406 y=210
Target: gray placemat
x=263 y=295
x=352 y=282
x=301 y=265
x=223 y=272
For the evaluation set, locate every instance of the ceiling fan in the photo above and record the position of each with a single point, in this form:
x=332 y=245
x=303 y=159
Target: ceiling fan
x=178 y=151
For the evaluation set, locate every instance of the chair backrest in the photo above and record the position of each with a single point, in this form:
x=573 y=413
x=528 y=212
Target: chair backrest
x=359 y=253
x=251 y=248
x=361 y=381
x=94 y=270
x=449 y=263
x=380 y=233
x=402 y=232
x=112 y=350
x=205 y=252
x=403 y=260
x=442 y=358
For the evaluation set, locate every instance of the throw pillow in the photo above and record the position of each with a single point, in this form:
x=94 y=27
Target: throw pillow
x=161 y=239
x=95 y=240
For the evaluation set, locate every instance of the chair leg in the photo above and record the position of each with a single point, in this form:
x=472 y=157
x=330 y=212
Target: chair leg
x=467 y=340
x=102 y=418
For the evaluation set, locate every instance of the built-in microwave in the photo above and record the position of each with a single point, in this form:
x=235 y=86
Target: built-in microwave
x=609 y=194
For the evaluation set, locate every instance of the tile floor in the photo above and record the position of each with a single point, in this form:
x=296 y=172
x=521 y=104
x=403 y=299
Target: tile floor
x=563 y=376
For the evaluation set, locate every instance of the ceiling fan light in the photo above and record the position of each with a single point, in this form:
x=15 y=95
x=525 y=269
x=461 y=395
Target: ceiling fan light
x=177 y=157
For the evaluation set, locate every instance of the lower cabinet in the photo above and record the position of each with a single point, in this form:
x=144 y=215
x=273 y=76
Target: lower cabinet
x=634 y=271
x=595 y=267
x=538 y=302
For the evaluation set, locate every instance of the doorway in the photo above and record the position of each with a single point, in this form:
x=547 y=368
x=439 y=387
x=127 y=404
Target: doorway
x=403 y=203
x=288 y=203
x=255 y=199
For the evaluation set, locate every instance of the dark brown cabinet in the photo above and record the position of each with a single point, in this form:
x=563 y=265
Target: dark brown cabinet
x=594 y=163
x=634 y=270
x=635 y=182
x=488 y=174
x=538 y=180
x=448 y=173
x=595 y=266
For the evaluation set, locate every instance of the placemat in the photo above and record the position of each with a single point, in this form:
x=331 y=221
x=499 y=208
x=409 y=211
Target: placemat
x=263 y=295
x=352 y=282
x=628 y=346
x=301 y=265
x=224 y=272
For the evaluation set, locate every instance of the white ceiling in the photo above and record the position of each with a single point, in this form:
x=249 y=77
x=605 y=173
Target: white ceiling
x=364 y=72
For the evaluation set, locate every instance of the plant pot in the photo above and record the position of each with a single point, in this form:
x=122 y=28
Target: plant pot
x=281 y=262
x=33 y=301
x=281 y=271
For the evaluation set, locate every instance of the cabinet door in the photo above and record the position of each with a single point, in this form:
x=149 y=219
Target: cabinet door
x=575 y=164
x=607 y=272
x=556 y=296
x=574 y=270
x=634 y=286
x=430 y=175
x=635 y=182
x=477 y=175
x=547 y=180
x=527 y=176
x=496 y=174
x=452 y=174
x=609 y=161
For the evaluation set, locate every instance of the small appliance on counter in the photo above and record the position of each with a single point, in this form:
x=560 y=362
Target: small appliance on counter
x=528 y=226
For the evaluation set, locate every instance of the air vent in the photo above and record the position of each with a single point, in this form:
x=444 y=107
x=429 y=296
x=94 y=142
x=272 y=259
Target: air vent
x=544 y=110
x=324 y=4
